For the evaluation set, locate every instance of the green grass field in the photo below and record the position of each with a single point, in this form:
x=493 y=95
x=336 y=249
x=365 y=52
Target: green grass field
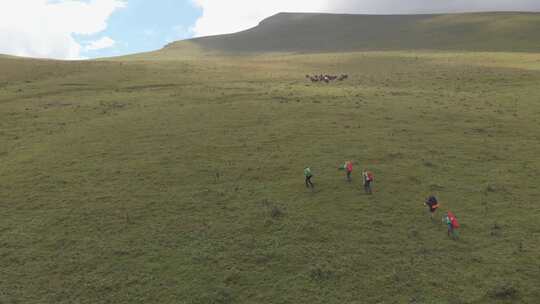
x=159 y=178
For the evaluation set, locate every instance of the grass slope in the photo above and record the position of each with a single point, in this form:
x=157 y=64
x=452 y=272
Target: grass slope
x=297 y=32
x=153 y=180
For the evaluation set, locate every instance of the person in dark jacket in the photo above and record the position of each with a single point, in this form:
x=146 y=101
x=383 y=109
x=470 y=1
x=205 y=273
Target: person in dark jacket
x=433 y=204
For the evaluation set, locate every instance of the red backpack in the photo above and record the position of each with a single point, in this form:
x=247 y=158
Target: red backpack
x=370 y=176
x=453 y=220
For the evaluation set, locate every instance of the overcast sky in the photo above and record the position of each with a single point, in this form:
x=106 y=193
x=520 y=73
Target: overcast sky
x=427 y=6
x=74 y=29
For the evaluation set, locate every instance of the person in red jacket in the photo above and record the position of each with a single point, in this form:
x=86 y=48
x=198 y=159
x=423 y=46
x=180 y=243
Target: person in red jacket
x=349 y=169
x=453 y=224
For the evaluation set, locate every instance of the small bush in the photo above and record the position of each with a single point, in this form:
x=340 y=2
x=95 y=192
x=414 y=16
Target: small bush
x=232 y=277
x=275 y=212
x=496 y=230
x=319 y=274
x=503 y=292
x=428 y=164
x=273 y=209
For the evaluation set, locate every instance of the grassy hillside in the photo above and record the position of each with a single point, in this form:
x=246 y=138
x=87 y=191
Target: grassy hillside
x=291 y=32
x=180 y=181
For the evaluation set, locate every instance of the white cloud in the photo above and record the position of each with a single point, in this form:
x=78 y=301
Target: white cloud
x=103 y=43
x=227 y=16
x=44 y=28
x=220 y=16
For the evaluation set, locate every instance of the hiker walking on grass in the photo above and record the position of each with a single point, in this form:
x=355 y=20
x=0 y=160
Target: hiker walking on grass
x=368 y=179
x=349 y=167
x=433 y=205
x=453 y=224
x=308 y=175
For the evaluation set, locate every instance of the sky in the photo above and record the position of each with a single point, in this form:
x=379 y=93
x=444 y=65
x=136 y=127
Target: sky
x=81 y=29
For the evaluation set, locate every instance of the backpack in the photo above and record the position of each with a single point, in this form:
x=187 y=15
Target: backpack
x=453 y=220
x=370 y=176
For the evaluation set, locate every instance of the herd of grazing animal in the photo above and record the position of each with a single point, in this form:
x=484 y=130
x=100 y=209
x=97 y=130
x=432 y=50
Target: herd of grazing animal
x=326 y=78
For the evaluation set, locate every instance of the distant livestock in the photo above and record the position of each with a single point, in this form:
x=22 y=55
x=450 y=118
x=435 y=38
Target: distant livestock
x=327 y=78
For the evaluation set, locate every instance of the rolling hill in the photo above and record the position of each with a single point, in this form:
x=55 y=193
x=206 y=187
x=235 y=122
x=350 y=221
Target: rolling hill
x=299 y=32
x=176 y=176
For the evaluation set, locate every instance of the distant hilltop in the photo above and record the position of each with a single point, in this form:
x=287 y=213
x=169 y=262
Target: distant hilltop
x=303 y=32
